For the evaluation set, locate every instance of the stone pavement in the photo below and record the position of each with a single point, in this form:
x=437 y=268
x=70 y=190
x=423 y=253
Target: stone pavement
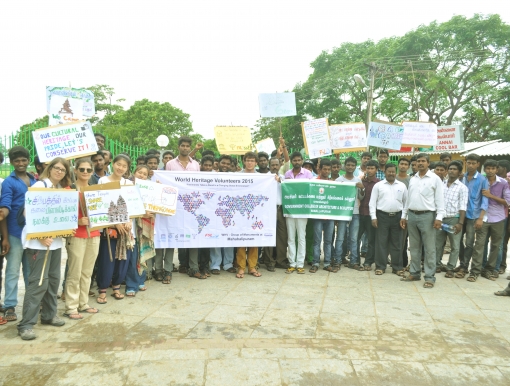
x=348 y=328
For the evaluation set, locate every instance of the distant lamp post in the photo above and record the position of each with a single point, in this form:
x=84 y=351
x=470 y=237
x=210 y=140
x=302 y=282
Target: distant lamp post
x=370 y=94
x=162 y=141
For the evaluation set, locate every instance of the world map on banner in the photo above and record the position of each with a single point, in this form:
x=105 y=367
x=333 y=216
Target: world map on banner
x=220 y=211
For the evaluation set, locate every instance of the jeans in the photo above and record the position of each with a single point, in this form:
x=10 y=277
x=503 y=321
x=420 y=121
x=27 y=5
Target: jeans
x=219 y=254
x=352 y=239
x=441 y=236
x=466 y=252
x=296 y=225
x=364 y=245
x=133 y=279
x=365 y=227
x=319 y=226
x=15 y=258
x=422 y=234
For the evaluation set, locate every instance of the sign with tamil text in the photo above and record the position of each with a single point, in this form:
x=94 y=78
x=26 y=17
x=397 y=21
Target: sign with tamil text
x=321 y=199
x=316 y=136
x=348 y=137
x=450 y=138
x=419 y=133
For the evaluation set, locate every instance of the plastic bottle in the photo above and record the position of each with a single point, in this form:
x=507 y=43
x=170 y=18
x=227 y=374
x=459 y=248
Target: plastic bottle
x=448 y=228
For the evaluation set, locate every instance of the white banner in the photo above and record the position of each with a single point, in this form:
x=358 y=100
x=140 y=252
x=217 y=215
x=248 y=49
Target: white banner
x=218 y=210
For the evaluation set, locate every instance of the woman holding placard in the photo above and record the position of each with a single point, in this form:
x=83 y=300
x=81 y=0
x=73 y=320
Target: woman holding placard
x=121 y=241
x=82 y=251
x=57 y=175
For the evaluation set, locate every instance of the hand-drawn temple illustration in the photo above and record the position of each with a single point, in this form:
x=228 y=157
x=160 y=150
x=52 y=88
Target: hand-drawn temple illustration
x=118 y=213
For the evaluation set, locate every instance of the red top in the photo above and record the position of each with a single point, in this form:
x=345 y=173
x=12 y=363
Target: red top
x=81 y=232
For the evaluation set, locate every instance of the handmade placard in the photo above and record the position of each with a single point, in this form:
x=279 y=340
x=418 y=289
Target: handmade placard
x=86 y=96
x=282 y=104
x=51 y=212
x=73 y=140
x=419 y=133
x=386 y=135
x=316 y=137
x=105 y=205
x=266 y=145
x=348 y=137
x=233 y=139
x=158 y=198
x=131 y=193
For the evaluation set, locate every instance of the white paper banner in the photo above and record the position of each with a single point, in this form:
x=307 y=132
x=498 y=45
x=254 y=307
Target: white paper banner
x=277 y=105
x=266 y=145
x=218 y=210
x=419 y=133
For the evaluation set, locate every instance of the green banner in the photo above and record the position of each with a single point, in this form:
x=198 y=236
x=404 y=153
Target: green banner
x=327 y=200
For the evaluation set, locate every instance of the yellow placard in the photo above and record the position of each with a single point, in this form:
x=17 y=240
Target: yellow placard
x=233 y=139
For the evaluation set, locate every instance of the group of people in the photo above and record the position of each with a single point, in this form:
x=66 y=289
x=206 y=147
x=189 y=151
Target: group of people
x=430 y=210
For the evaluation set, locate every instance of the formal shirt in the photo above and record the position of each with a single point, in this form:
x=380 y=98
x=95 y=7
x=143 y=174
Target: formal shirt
x=387 y=197
x=364 y=203
x=455 y=198
x=176 y=165
x=425 y=193
x=496 y=211
x=303 y=174
x=476 y=200
x=355 y=180
x=13 y=198
x=405 y=181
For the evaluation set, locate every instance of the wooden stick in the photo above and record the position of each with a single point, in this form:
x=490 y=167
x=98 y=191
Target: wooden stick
x=44 y=265
x=82 y=207
x=109 y=246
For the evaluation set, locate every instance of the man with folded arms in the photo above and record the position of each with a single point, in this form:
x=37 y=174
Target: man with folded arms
x=386 y=203
x=423 y=214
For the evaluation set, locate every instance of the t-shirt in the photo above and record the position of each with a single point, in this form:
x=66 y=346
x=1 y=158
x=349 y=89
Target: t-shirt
x=355 y=180
x=405 y=181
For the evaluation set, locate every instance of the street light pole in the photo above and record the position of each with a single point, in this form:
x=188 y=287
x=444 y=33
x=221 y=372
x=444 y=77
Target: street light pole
x=370 y=94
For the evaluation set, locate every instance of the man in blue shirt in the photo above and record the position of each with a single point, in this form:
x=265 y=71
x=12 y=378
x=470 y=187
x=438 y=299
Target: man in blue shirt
x=476 y=207
x=14 y=188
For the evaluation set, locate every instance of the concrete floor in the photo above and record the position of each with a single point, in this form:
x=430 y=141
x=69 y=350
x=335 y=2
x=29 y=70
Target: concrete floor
x=348 y=328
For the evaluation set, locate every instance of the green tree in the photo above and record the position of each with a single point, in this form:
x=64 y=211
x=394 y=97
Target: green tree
x=23 y=136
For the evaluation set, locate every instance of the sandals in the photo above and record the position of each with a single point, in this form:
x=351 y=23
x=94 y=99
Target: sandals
x=231 y=270
x=2 y=321
x=130 y=294
x=449 y=274
x=314 y=269
x=73 y=316
x=290 y=270
x=255 y=273
x=428 y=284
x=158 y=276
x=472 y=277
x=10 y=315
x=354 y=266
x=240 y=274
x=167 y=279
x=398 y=273
x=183 y=269
x=142 y=287
x=488 y=275
x=89 y=310
x=367 y=267
x=329 y=268
x=102 y=299
x=502 y=293
x=379 y=272
x=117 y=295
x=215 y=271
x=300 y=270
x=460 y=274
x=198 y=275
x=410 y=278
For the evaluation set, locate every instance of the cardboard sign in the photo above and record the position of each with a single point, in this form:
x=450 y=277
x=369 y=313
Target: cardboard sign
x=73 y=140
x=385 y=134
x=233 y=139
x=51 y=212
x=87 y=97
x=281 y=104
x=134 y=202
x=158 y=198
x=450 y=138
x=65 y=110
x=105 y=205
x=348 y=137
x=266 y=145
x=316 y=137
x=419 y=133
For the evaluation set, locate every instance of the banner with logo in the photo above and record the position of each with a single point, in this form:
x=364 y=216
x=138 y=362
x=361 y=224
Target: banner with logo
x=321 y=199
x=218 y=210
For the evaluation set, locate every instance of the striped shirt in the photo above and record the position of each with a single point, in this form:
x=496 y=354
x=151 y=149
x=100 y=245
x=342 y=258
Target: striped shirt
x=455 y=198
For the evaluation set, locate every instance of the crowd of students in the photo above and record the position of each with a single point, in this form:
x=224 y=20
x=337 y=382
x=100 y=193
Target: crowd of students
x=430 y=208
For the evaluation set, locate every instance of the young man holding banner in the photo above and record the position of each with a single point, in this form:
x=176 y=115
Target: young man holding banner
x=297 y=225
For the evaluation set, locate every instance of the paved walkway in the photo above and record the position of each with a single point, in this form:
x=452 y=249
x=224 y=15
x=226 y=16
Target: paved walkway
x=348 y=328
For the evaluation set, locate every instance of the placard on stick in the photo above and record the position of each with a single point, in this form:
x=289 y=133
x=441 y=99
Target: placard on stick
x=158 y=198
x=282 y=104
x=105 y=205
x=266 y=145
x=348 y=137
x=72 y=140
x=385 y=134
x=233 y=139
x=53 y=210
x=135 y=206
x=316 y=137
x=86 y=96
x=419 y=133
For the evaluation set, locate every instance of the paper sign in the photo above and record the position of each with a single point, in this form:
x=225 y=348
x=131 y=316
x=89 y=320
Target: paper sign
x=158 y=198
x=86 y=96
x=233 y=139
x=348 y=137
x=385 y=134
x=419 y=133
x=266 y=145
x=105 y=205
x=65 y=110
x=51 y=212
x=277 y=105
x=316 y=137
x=450 y=138
x=73 y=140
x=134 y=202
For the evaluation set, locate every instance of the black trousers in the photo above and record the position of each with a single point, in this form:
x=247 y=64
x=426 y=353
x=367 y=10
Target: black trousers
x=388 y=238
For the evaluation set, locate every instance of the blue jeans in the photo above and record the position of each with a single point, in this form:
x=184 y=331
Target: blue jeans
x=219 y=254
x=133 y=279
x=352 y=242
x=328 y=226
x=364 y=243
x=15 y=258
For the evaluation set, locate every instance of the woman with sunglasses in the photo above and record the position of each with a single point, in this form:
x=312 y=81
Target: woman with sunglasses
x=82 y=251
x=56 y=176
x=122 y=242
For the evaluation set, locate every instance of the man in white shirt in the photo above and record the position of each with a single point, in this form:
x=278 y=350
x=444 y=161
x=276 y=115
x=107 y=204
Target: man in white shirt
x=386 y=203
x=423 y=214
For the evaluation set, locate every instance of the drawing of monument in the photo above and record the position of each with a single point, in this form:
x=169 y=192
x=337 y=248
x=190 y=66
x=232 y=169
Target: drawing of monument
x=66 y=111
x=118 y=213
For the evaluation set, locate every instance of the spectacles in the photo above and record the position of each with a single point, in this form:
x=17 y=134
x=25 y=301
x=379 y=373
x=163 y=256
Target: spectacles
x=59 y=169
x=85 y=170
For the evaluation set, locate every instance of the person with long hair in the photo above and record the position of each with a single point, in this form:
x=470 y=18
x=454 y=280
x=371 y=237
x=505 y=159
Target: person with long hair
x=121 y=241
x=82 y=251
x=56 y=176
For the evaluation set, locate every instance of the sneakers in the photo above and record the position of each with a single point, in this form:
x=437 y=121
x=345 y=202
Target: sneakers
x=28 y=334
x=56 y=321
